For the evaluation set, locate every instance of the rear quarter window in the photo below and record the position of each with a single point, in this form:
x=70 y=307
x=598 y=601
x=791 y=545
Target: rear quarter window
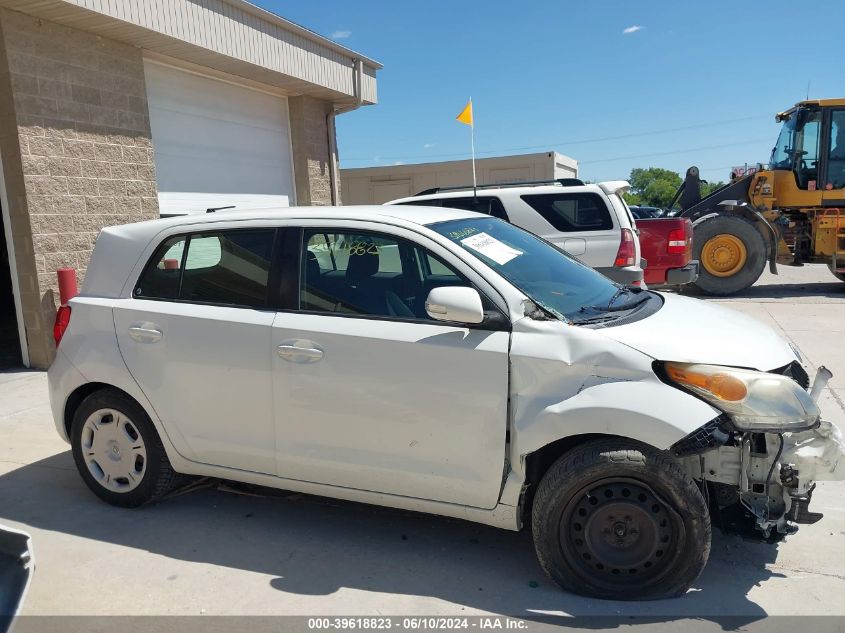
x=572 y=212
x=488 y=205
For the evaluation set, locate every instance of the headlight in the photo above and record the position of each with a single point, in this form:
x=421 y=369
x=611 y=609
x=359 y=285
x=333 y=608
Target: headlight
x=754 y=400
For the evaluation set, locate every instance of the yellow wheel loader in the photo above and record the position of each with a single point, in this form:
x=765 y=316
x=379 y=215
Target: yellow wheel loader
x=790 y=212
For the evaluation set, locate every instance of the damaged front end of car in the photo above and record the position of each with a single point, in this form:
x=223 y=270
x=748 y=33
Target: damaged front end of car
x=758 y=465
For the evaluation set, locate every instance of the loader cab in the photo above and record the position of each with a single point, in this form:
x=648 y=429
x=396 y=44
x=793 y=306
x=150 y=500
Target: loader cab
x=797 y=147
x=811 y=145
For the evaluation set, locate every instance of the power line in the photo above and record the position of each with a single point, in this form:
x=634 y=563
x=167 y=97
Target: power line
x=679 y=151
x=567 y=143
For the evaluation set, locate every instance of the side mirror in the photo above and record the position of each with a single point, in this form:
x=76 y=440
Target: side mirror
x=455 y=303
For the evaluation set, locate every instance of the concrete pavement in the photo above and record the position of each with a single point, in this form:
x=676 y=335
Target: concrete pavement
x=217 y=552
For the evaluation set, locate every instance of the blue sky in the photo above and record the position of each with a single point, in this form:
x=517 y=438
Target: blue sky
x=694 y=83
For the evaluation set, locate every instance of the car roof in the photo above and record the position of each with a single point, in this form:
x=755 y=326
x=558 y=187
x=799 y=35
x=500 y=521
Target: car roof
x=422 y=215
x=119 y=248
x=510 y=189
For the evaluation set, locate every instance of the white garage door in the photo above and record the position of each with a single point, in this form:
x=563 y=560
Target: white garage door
x=216 y=143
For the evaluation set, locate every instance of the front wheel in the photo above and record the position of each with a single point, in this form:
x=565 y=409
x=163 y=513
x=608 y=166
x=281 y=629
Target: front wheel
x=616 y=519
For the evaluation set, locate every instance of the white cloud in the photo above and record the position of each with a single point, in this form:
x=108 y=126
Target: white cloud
x=428 y=145
x=399 y=162
x=633 y=29
x=343 y=35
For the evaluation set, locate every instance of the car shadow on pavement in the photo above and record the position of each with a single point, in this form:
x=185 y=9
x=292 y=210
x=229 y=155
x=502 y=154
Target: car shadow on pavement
x=833 y=290
x=315 y=546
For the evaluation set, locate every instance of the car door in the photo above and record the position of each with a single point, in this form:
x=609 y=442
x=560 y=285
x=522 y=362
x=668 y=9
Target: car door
x=579 y=222
x=373 y=394
x=196 y=336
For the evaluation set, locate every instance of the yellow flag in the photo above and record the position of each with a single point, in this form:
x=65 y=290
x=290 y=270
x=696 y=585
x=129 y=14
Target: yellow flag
x=465 y=116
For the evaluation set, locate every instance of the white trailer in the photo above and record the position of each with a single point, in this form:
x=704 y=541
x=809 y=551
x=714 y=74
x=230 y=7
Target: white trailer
x=375 y=185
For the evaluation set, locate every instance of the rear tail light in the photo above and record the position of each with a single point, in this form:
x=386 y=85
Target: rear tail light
x=679 y=242
x=627 y=253
x=62 y=321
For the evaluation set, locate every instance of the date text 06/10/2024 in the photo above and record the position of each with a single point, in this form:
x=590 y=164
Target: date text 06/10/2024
x=416 y=623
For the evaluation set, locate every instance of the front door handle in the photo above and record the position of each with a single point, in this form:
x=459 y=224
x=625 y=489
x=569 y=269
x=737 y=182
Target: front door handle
x=145 y=333
x=300 y=351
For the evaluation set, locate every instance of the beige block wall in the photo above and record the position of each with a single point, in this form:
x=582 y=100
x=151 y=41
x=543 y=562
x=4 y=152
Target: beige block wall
x=311 y=158
x=76 y=151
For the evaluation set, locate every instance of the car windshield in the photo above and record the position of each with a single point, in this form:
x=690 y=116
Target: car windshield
x=550 y=277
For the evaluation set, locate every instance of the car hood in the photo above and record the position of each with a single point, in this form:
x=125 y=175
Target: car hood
x=693 y=331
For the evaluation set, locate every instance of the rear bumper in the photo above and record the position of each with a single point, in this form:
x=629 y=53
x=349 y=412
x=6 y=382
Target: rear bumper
x=624 y=276
x=681 y=276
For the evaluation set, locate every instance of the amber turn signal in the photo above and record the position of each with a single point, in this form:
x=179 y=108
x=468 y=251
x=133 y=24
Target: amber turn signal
x=722 y=385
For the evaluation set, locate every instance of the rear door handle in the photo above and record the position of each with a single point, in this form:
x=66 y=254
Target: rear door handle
x=145 y=333
x=300 y=351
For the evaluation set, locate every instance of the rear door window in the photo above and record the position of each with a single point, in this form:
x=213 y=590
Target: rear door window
x=160 y=279
x=223 y=268
x=572 y=212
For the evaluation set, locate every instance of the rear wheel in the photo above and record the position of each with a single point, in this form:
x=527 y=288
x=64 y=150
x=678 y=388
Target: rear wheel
x=731 y=253
x=118 y=452
x=616 y=519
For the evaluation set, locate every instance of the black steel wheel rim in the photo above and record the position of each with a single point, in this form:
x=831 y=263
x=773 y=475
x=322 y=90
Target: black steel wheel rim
x=618 y=533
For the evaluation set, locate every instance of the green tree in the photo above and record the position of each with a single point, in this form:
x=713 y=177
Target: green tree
x=709 y=187
x=653 y=187
x=632 y=198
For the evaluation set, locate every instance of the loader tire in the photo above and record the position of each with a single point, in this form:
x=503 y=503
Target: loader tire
x=731 y=253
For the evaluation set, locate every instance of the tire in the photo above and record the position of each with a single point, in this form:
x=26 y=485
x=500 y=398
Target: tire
x=118 y=452
x=755 y=261
x=619 y=520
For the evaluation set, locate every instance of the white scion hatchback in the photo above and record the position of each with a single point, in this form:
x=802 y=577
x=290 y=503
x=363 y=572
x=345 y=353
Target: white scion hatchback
x=441 y=361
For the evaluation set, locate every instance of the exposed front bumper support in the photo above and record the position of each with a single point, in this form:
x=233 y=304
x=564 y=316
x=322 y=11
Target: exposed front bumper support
x=774 y=485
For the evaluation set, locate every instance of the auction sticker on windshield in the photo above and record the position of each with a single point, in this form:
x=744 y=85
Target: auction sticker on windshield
x=491 y=248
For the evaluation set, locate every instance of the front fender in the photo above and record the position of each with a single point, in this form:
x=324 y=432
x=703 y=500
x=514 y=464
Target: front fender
x=647 y=411
x=568 y=380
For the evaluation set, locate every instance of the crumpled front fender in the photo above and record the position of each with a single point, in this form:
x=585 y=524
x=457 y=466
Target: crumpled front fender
x=568 y=380
x=647 y=411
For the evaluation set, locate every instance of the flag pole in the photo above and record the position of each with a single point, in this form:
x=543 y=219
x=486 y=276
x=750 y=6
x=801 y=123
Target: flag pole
x=472 y=145
x=466 y=117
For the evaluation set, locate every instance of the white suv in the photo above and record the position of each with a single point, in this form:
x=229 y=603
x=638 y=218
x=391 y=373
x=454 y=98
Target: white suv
x=441 y=361
x=590 y=221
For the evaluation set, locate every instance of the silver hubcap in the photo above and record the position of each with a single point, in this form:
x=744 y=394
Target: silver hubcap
x=113 y=450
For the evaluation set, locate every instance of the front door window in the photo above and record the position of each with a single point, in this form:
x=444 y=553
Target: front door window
x=369 y=275
x=797 y=147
